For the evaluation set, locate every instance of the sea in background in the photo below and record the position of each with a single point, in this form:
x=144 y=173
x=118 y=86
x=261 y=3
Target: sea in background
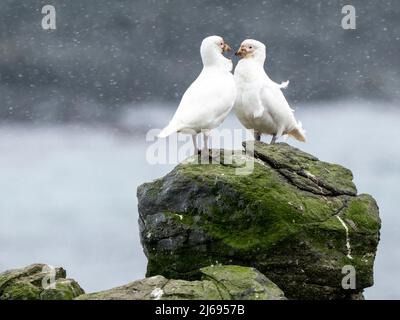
x=68 y=192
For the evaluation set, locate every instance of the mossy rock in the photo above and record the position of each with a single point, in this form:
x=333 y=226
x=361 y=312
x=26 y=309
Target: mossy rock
x=38 y=282
x=242 y=283
x=217 y=283
x=287 y=219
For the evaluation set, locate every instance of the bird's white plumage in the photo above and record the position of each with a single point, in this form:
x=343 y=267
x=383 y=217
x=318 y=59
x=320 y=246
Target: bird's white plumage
x=208 y=100
x=260 y=103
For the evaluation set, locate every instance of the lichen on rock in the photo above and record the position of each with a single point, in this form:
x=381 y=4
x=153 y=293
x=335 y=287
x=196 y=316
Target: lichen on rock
x=38 y=282
x=281 y=219
x=217 y=283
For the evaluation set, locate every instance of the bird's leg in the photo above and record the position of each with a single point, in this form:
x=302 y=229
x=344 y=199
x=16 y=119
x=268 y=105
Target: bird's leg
x=205 y=141
x=196 y=149
x=257 y=135
x=273 y=140
x=207 y=154
x=206 y=151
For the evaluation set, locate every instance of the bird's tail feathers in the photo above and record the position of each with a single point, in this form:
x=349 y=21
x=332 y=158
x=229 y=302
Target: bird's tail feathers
x=298 y=132
x=169 y=129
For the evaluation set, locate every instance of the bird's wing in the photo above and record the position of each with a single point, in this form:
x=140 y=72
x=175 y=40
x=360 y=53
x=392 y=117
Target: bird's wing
x=273 y=99
x=255 y=100
x=276 y=105
x=207 y=98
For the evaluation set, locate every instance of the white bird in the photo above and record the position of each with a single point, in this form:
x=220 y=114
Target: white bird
x=209 y=99
x=260 y=104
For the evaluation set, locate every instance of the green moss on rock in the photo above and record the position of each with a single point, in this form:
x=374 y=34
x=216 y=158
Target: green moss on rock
x=21 y=291
x=243 y=283
x=38 y=282
x=217 y=283
x=286 y=227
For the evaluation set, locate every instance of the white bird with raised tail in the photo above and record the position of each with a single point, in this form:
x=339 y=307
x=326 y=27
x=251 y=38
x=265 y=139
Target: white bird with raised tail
x=208 y=100
x=260 y=104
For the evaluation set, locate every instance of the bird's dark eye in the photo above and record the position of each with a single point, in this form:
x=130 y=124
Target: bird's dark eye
x=250 y=47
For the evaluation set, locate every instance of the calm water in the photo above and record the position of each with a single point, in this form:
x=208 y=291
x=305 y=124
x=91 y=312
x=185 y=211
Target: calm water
x=69 y=193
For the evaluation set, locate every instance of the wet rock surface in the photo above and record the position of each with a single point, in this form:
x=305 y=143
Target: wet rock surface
x=296 y=219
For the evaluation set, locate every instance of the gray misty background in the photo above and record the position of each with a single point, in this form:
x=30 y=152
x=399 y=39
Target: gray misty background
x=76 y=103
x=107 y=54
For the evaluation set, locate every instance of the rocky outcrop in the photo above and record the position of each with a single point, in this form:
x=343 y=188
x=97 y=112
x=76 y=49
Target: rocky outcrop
x=218 y=283
x=42 y=282
x=296 y=219
x=207 y=228
x=38 y=282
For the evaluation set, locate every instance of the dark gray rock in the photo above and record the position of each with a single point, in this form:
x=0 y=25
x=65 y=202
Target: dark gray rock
x=296 y=219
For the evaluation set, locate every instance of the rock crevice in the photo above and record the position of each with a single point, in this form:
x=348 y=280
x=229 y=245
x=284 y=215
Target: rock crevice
x=297 y=166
